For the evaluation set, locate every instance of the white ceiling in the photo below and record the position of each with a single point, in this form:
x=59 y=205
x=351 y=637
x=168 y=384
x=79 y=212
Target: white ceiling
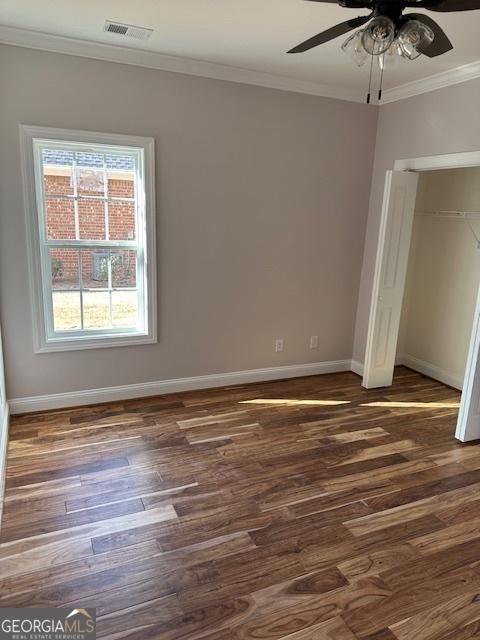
x=250 y=34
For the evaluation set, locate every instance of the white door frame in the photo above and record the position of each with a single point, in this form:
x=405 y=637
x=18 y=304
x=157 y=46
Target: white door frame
x=469 y=406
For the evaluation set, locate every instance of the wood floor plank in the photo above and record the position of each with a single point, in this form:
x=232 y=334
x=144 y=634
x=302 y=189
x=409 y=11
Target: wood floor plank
x=334 y=629
x=12 y=529
x=276 y=617
x=446 y=538
x=441 y=620
x=19 y=479
x=412 y=600
x=410 y=511
x=305 y=509
x=131 y=618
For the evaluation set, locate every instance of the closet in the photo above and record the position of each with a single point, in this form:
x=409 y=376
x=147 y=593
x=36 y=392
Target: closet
x=443 y=275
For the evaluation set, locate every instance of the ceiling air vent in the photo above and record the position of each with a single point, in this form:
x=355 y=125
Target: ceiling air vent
x=129 y=30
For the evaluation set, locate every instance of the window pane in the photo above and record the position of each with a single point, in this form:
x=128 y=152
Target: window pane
x=64 y=264
x=57 y=172
x=91 y=219
x=60 y=214
x=95 y=268
x=120 y=162
x=124 y=308
x=96 y=309
x=121 y=219
x=121 y=183
x=66 y=310
x=124 y=268
x=90 y=174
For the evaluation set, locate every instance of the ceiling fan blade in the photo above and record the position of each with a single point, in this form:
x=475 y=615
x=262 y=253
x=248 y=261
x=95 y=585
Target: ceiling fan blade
x=330 y=34
x=447 y=5
x=441 y=43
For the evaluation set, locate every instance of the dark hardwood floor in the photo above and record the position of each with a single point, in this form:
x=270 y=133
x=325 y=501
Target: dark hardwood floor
x=306 y=509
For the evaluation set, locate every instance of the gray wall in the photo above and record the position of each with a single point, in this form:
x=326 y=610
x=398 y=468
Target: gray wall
x=443 y=121
x=262 y=200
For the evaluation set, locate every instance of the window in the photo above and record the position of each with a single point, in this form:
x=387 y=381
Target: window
x=90 y=215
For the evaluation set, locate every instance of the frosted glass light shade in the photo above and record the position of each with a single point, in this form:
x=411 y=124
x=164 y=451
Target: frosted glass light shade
x=378 y=35
x=354 y=48
x=414 y=37
x=392 y=57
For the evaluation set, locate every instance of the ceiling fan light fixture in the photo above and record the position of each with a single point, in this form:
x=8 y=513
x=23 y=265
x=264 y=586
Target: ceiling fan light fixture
x=414 y=38
x=354 y=48
x=378 y=35
x=389 y=35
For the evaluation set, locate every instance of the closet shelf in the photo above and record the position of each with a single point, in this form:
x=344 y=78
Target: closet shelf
x=449 y=214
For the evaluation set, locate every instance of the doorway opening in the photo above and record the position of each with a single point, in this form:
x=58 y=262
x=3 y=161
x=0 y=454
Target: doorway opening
x=425 y=308
x=443 y=276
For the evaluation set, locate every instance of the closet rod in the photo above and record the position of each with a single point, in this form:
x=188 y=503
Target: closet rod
x=449 y=213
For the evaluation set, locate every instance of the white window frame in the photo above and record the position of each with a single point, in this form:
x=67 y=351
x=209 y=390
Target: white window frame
x=44 y=337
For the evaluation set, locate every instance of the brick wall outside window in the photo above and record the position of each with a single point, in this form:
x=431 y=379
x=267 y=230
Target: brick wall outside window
x=91 y=213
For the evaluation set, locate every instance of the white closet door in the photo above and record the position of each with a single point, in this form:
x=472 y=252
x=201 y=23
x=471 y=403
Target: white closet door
x=468 y=425
x=389 y=280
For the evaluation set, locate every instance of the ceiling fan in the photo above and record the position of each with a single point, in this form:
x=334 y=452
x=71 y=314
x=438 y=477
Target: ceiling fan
x=390 y=34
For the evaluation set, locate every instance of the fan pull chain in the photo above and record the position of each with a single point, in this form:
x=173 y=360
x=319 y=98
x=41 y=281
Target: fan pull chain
x=381 y=79
x=370 y=80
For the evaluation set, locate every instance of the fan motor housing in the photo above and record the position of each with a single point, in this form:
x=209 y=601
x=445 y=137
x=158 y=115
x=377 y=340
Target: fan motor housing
x=354 y=4
x=390 y=8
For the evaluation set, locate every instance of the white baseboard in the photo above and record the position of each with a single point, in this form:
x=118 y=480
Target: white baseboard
x=421 y=366
x=431 y=370
x=357 y=367
x=142 y=390
x=4 y=428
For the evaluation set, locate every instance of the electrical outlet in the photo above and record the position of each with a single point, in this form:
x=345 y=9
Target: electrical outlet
x=279 y=345
x=313 y=342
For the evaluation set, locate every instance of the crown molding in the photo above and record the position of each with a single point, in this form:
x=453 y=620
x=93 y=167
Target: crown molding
x=175 y=64
x=152 y=60
x=441 y=80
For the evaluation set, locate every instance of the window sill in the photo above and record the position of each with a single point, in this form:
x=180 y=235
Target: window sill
x=100 y=342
